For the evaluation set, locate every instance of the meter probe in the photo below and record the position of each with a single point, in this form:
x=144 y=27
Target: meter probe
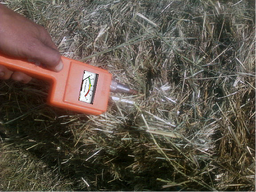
x=77 y=87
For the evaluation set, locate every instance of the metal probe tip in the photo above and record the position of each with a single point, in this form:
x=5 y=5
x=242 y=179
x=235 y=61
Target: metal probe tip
x=120 y=88
x=134 y=92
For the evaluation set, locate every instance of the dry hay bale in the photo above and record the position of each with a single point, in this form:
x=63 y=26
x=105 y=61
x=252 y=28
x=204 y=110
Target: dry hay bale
x=191 y=127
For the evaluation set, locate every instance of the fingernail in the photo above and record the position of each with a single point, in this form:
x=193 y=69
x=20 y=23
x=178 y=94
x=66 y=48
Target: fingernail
x=59 y=67
x=1 y=73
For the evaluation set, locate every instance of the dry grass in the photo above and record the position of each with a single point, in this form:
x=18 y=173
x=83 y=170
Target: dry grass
x=192 y=125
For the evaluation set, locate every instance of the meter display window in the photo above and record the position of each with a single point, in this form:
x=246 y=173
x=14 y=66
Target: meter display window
x=88 y=87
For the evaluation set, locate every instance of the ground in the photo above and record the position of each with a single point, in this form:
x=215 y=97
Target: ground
x=190 y=127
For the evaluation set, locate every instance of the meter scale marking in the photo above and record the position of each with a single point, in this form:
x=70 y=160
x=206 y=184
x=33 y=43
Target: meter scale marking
x=90 y=85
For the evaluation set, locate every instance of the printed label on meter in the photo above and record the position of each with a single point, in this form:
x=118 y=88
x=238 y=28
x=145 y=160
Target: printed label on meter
x=88 y=87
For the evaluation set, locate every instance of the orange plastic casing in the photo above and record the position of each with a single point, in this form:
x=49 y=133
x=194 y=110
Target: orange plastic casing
x=66 y=84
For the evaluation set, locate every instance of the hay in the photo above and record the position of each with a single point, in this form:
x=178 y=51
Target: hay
x=191 y=127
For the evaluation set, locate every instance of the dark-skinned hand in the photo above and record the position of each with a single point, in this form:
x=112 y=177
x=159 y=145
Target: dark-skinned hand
x=23 y=39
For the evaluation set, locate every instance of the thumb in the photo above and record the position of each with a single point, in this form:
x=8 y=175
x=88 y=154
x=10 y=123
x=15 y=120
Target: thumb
x=45 y=55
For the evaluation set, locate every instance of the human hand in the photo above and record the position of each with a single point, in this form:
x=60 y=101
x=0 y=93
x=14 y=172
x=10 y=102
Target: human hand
x=23 y=39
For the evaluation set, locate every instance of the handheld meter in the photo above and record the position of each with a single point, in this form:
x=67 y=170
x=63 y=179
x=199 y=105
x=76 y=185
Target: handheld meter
x=77 y=87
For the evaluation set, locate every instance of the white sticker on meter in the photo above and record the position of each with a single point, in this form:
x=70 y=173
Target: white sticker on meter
x=88 y=87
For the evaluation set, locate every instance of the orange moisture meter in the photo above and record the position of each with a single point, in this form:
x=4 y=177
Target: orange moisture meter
x=77 y=87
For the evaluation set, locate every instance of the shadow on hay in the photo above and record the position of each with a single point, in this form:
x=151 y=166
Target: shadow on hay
x=33 y=128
